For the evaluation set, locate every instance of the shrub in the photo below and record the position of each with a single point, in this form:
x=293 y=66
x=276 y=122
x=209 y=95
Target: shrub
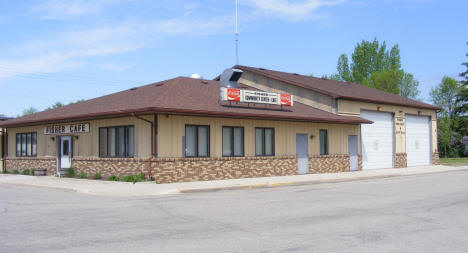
x=26 y=172
x=113 y=178
x=71 y=172
x=32 y=172
x=133 y=178
x=97 y=176
x=83 y=175
x=15 y=172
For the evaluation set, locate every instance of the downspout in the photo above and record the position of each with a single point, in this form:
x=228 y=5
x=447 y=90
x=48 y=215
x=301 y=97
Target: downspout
x=152 y=142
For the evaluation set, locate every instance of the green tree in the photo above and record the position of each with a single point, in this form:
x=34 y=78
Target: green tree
x=387 y=80
x=29 y=111
x=344 y=73
x=77 y=101
x=445 y=96
x=409 y=86
x=375 y=66
x=462 y=99
x=56 y=105
x=444 y=135
x=60 y=104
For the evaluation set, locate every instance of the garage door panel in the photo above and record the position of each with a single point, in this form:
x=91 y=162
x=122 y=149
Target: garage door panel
x=377 y=140
x=418 y=140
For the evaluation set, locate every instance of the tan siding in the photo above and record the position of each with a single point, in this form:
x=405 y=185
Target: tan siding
x=87 y=144
x=172 y=129
x=349 y=107
x=301 y=95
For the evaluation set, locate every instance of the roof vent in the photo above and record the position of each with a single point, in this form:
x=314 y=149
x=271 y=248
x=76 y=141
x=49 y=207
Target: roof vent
x=229 y=78
x=134 y=88
x=196 y=76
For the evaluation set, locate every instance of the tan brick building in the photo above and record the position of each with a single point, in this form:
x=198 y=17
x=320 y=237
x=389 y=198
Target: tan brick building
x=183 y=130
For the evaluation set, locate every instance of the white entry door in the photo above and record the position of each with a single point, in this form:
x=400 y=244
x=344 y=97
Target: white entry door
x=418 y=140
x=353 y=152
x=65 y=152
x=302 y=152
x=377 y=140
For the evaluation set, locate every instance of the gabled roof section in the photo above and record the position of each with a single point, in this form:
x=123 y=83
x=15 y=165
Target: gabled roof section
x=180 y=95
x=337 y=89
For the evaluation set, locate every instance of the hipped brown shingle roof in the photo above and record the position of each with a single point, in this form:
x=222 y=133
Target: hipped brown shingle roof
x=179 y=95
x=337 y=89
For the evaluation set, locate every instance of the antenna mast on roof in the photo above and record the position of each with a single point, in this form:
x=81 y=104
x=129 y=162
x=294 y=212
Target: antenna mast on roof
x=236 y=38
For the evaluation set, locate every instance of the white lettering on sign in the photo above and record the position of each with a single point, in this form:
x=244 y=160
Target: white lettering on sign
x=67 y=129
x=250 y=96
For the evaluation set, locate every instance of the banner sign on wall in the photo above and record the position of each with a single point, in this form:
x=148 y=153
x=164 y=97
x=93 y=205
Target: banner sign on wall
x=67 y=129
x=251 y=96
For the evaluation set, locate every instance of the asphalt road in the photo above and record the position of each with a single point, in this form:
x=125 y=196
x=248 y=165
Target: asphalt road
x=427 y=213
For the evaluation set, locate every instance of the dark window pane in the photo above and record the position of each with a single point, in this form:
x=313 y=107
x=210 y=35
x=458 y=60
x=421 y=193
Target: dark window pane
x=190 y=140
x=227 y=141
x=34 y=144
x=269 y=142
x=112 y=142
x=28 y=145
x=131 y=142
x=203 y=141
x=238 y=141
x=23 y=144
x=103 y=142
x=66 y=148
x=121 y=141
x=259 y=141
x=323 y=142
x=18 y=144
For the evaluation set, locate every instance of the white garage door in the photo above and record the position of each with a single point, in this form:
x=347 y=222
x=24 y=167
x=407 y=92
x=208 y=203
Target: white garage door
x=377 y=140
x=418 y=140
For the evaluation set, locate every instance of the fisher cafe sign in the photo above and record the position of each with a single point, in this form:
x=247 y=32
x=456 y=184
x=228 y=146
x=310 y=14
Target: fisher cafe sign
x=67 y=129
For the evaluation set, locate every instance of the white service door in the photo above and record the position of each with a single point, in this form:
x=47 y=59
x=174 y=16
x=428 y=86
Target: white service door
x=418 y=140
x=377 y=140
x=65 y=152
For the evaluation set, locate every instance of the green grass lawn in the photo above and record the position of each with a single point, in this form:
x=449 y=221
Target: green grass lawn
x=454 y=161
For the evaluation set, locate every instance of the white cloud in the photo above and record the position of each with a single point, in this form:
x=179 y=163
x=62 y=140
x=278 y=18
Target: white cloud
x=291 y=10
x=64 y=9
x=69 y=49
x=54 y=51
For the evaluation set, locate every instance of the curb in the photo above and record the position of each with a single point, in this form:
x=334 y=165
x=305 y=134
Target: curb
x=309 y=182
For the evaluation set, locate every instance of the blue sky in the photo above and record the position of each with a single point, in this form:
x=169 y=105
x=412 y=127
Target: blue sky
x=65 y=50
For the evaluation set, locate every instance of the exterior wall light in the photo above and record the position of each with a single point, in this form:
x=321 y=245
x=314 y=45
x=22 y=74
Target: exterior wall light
x=311 y=136
x=379 y=108
x=76 y=137
x=52 y=138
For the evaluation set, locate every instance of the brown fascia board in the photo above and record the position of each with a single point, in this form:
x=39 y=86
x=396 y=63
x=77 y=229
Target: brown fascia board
x=430 y=107
x=150 y=110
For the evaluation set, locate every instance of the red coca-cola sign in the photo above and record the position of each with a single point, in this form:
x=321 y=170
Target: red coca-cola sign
x=233 y=94
x=285 y=99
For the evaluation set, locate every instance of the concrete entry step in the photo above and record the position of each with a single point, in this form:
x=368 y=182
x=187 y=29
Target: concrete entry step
x=40 y=172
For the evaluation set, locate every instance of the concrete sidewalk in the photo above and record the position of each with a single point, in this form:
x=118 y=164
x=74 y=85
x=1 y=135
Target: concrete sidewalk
x=108 y=188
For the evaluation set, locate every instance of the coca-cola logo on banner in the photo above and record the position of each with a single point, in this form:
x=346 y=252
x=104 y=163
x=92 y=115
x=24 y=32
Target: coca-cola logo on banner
x=285 y=99
x=233 y=94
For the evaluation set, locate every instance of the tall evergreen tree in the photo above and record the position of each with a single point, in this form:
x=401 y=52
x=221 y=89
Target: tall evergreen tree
x=462 y=108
